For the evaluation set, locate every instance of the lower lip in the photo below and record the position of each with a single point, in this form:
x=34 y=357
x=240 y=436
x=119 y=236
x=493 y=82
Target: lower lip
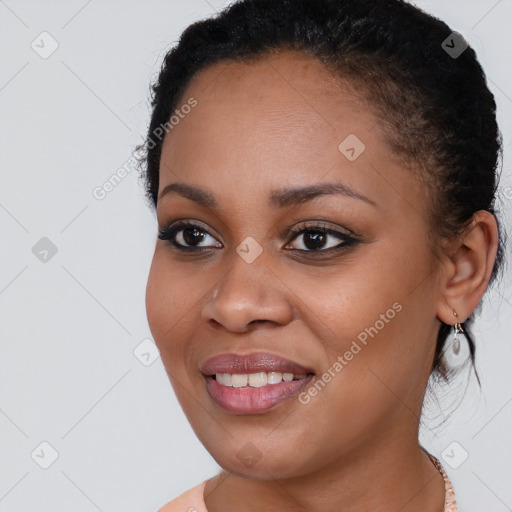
x=254 y=400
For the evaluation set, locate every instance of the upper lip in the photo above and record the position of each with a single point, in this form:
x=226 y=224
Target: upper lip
x=251 y=363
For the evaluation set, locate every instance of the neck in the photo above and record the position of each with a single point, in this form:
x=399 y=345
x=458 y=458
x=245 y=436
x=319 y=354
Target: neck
x=391 y=473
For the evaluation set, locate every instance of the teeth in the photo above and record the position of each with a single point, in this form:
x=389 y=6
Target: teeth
x=274 y=377
x=254 y=380
x=258 y=380
x=224 y=379
x=239 y=380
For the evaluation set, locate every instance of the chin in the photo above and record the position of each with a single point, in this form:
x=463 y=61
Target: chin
x=248 y=462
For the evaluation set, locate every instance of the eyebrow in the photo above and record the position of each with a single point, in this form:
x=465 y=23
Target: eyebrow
x=280 y=198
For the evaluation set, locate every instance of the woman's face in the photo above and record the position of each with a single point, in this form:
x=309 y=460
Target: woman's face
x=260 y=283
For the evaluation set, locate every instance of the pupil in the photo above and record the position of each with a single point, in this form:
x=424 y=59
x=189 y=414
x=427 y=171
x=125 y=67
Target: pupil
x=317 y=239
x=192 y=236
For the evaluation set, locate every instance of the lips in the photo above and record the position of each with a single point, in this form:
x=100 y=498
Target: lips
x=251 y=363
x=244 y=398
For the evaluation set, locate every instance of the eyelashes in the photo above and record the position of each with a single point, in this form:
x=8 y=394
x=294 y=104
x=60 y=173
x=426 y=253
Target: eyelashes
x=314 y=233
x=317 y=237
x=189 y=233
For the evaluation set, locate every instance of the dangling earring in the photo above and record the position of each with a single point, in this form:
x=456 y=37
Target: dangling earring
x=456 y=341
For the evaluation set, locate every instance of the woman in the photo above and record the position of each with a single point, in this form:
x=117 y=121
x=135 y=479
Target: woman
x=324 y=177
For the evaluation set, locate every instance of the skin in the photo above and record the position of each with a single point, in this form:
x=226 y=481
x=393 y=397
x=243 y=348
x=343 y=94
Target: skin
x=271 y=124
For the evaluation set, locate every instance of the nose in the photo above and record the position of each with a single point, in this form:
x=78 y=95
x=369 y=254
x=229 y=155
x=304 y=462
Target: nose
x=248 y=295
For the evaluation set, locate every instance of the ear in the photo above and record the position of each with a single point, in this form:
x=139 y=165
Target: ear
x=468 y=269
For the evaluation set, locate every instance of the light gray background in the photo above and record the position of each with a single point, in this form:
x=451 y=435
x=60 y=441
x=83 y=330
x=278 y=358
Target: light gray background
x=70 y=325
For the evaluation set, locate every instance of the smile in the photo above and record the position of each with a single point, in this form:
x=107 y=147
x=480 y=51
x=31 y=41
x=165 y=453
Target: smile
x=254 y=380
x=253 y=383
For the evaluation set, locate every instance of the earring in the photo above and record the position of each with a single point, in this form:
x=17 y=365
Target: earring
x=456 y=341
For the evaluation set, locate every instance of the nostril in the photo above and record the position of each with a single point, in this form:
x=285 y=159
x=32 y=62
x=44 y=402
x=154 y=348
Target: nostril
x=256 y=321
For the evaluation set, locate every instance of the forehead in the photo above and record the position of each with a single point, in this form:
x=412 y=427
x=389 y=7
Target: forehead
x=274 y=121
x=260 y=76
x=286 y=85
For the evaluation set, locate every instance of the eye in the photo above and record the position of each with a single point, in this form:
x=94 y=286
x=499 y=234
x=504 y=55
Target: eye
x=185 y=235
x=317 y=237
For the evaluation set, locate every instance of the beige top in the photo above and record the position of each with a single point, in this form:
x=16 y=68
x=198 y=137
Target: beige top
x=193 y=500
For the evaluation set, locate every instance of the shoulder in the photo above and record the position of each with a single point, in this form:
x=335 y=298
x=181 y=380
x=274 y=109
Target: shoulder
x=190 y=501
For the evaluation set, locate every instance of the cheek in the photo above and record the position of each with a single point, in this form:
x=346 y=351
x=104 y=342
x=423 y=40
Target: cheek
x=375 y=312
x=169 y=303
x=170 y=307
